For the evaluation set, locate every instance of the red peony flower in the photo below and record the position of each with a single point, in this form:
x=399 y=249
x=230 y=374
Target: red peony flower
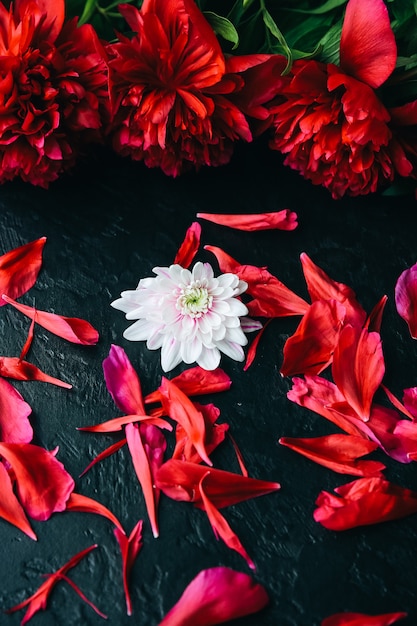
x=53 y=90
x=169 y=88
x=329 y=121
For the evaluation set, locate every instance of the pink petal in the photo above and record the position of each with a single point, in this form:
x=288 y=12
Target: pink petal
x=43 y=484
x=215 y=596
x=361 y=619
x=14 y=412
x=281 y=220
x=368 y=50
x=189 y=246
x=123 y=382
x=406 y=298
x=20 y=267
x=72 y=329
x=129 y=548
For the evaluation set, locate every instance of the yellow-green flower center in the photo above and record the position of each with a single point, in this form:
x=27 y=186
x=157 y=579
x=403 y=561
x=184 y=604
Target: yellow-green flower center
x=194 y=300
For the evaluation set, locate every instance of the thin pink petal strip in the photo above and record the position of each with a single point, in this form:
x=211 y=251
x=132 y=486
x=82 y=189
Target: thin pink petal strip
x=361 y=619
x=215 y=596
x=406 y=298
x=281 y=220
x=14 y=412
x=20 y=267
x=72 y=329
x=367 y=47
x=43 y=484
x=83 y=504
x=10 y=508
x=189 y=246
x=14 y=367
x=123 y=382
x=129 y=548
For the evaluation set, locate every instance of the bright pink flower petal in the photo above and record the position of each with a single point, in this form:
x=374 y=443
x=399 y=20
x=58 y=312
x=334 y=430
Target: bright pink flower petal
x=72 y=329
x=10 y=508
x=147 y=447
x=363 y=502
x=123 y=382
x=361 y=619
x=38 y=601
x=281 y=220
x=189 y=246
x=215 y=596
x=129 y=548
x=20 y=267
x=367 y=47
x=14 y=367
x=14 y=412
x=43 y=484
x=358 y=367
x=338 y=452
x=310 y=349
x=406 y=298
x=180 y=480
x=83 y=504
x=410 y=401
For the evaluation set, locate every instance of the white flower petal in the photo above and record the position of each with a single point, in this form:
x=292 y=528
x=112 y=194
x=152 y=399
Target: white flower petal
x=170 y=354
x=191 y=350
x=233 y=350
x=209 y=358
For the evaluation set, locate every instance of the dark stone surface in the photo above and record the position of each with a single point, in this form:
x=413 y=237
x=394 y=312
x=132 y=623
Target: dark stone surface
x=107 y=226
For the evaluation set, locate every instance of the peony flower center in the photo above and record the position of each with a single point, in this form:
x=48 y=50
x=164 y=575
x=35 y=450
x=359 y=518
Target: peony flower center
x=194 y=300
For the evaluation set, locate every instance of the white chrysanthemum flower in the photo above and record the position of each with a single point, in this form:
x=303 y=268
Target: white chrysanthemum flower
x=192 y=316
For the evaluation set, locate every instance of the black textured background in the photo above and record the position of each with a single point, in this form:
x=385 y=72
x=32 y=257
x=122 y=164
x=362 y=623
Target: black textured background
x=107 y=225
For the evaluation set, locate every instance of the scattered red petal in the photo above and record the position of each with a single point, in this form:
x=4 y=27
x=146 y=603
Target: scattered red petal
x=374 y=320
x=10 y=508
x=361 y=619
x=20 y=267
x=215 y=435
x=130 y=548
x=72 y=329
x=116 y=424
x=14 y=367
x=189 y=246
x=251 y=354
x=29 y=339
x=83 y=504
x=105 y=454
x=14 y=412
x=196 y=381
x=281 y=220
x=217 y=595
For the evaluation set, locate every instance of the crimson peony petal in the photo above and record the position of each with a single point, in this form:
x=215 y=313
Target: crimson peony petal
x=83 y=504
x=123 y=382
x=38 y=601
x=310 y=349
x=367 y=47
x=70 y=328
x=129 y=548
x=215 y=596
x=339 y=453
x=14 y=412
x=361 y=619
x=147 y=446
x=406 y=298
x=180 y=480
x=50 y=19
x=14 y=367
x=189 y=246
x=358 y=367
x=19 y=268
x=281 y=220
x=10 y=508
x=363 y=502
x=43 y=484
x=196 y=381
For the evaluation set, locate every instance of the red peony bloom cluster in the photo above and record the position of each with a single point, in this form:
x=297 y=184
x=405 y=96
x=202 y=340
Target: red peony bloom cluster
x=53 y=90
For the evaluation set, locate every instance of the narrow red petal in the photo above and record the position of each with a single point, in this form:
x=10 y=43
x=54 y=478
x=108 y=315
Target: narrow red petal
x=116 y=424
x=362 y=619
x=83 y=504
x=281 y=220
x=29 y=340
x=72 y=329
x=10 y=508
x=189 y=246
x=253 y=348
x=217 y=595
x=20 y=267
x=367 y=47
x=14 y=367
x=215 y=435
x=105 y=454
x=129 y=548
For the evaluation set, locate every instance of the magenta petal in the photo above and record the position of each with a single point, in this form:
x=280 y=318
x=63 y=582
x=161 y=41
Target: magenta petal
x=43 y=484
x=122 y=382
x=215 y=596
x=368 y=50
x=406 y=298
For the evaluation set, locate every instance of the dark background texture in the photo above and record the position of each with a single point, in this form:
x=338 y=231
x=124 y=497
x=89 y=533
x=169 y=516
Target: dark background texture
x=107 y=225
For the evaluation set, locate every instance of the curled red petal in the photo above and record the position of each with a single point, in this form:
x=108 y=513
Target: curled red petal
x=14 y=367
x=189 y=247
x=281 y=220
x=217 y=595
x=123 y=382
x=406 y=298
x=251 y=354
x=362 y=619
x=215 y=435
x=129 y=548
x=72 y=329
x=196 y=381
x=20 y=267
x=367 y=47
x=83 y=504
x=43 y=484
x=115 y=425
x=14 y=412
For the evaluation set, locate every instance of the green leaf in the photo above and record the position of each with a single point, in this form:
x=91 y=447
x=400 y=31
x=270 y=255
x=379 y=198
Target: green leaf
x=330 y=5
x=330 y=45
x=275 y=32
x=224 y=27
x=88 y=12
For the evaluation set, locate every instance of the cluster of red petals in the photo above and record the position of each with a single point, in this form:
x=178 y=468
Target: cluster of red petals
x=171 y=89
x=53 y=92
x=328 y=119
